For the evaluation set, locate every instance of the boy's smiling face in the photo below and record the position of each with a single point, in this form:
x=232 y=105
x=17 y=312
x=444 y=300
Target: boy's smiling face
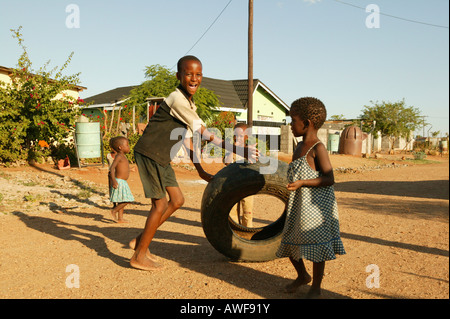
x=190 y=76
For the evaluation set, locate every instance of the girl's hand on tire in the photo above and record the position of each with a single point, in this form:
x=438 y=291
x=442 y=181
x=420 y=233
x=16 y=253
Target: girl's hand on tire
x=294 y=186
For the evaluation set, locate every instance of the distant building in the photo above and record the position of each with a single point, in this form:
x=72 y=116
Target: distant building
x=5 y=76
x=106 y=101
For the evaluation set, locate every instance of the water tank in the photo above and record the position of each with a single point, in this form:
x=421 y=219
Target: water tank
x=333 y=143
x=443 y=145
x=350 y=142
x=88 y=139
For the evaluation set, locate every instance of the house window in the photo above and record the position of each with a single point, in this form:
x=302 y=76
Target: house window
x=265 y=118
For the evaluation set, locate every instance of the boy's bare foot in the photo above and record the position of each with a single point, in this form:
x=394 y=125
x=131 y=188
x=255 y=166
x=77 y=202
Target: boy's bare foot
x=132 y=245
x=144 y=263
x=293 y=287
x=122 y=221
x=313 y=293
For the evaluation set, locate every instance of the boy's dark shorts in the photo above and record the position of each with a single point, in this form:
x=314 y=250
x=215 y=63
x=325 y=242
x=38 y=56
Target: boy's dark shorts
x=154 y=177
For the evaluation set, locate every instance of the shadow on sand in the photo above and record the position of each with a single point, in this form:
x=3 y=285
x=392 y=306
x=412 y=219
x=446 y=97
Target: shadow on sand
x=197 y=255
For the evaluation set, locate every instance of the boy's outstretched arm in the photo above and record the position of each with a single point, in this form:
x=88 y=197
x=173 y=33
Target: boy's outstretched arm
x=196 y=161
x=250 y=152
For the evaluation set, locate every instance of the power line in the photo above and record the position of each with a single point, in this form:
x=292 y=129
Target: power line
x=395 y=17
x=204 y=33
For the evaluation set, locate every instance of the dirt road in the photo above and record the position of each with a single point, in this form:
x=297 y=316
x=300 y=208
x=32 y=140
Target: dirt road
x=55 y=225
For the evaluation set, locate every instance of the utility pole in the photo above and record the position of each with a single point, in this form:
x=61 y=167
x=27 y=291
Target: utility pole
x=423 y=125
x=250 y=64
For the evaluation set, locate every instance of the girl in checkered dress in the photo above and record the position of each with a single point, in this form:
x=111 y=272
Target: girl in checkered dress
x=311 y=230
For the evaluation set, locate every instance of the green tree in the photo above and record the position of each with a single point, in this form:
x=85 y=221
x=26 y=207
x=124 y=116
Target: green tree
x=160 y=83
x=391 y=119
x=34 y=107
x=435 y=134
x=337 y=117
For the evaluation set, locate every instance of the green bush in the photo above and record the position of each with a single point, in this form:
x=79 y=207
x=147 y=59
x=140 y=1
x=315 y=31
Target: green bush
x=30 y=111
x=132 y=139
x=419 y=155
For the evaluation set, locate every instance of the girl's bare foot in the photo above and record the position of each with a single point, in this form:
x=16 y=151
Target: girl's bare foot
x=144 y=263
x=122 y=221
x=113 y=214
x=293 y=287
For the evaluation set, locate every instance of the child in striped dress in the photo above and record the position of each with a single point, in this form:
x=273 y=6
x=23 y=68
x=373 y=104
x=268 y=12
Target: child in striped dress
x=311 y=230
x=119 y=171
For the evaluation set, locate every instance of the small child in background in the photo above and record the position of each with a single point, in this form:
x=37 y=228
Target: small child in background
x=119 y=171
x=242 y=211
x=311 y=229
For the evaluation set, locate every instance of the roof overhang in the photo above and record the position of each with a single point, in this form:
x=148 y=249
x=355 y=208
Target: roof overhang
x=155 y=99
x=106 y=106
x=9 y=72
x=231 y=109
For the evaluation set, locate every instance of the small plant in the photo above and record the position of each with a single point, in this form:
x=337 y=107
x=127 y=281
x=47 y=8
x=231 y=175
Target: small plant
x=85 y=193
x=419 y=155
x=5 y=176
x=31 y=197
x=30 y=183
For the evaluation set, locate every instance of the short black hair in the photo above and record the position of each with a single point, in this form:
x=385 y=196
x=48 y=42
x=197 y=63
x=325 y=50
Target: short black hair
x=186 y=58
x=242 y=125
x=309 y=108
x=117 y=141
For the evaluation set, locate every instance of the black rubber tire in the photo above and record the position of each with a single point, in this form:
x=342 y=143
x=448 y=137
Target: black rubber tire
x=230 y=185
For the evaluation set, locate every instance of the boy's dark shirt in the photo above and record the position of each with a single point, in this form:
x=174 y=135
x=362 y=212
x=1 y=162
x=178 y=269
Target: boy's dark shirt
x=155 y=142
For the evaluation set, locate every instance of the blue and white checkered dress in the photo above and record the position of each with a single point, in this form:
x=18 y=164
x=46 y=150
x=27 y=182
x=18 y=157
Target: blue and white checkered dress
x=121 y=194
x=311 y=230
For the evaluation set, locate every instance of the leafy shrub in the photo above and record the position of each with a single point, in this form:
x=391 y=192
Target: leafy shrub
x=35 y=107
x=419 y=155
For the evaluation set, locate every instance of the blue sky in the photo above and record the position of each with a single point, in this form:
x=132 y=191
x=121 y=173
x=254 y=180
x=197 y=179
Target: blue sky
x=301 y=48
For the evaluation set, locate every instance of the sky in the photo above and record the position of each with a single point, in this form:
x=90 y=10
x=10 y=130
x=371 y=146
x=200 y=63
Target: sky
x=348 y=53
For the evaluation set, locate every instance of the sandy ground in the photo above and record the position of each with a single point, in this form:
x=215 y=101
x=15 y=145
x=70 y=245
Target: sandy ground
x=56 y=233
